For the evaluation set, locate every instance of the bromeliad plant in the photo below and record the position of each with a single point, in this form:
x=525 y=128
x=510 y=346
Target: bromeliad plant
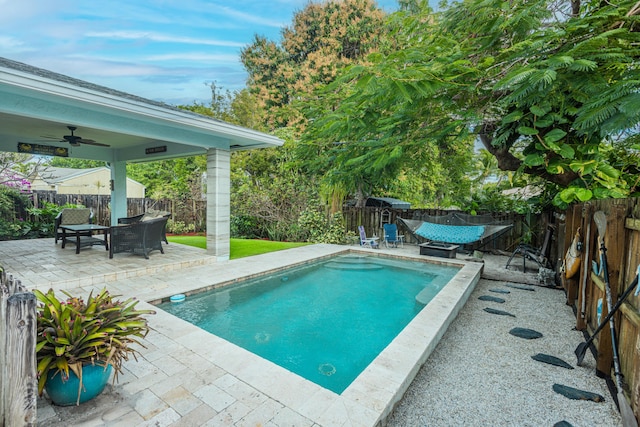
x=73 y=333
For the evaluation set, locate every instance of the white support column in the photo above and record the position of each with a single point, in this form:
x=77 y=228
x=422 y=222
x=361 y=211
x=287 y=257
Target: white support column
x=118 y=191
x=218 y=203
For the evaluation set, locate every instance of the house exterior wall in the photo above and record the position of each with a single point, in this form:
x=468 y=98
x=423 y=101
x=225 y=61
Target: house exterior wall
x=96 y=183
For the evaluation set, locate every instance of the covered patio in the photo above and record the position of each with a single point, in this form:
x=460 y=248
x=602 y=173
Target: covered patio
x=45 y=113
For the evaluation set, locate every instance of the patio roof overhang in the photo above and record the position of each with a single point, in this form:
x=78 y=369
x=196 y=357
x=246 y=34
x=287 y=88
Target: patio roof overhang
x=37 y=105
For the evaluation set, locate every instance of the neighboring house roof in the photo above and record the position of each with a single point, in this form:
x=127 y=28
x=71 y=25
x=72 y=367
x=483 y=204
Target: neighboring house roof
x=387 y=202
x=525 y=192
x=55 y=175
x=84 y=180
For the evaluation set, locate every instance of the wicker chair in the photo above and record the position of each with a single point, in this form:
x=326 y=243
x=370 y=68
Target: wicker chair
x=72 y=216
x=150 y=214
x=139 y=237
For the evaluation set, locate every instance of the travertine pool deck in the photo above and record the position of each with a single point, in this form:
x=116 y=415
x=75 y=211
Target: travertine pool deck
x=187 y=376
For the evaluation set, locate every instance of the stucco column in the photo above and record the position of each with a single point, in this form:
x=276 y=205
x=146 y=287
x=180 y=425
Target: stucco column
x=118 y=191
x=218 y=203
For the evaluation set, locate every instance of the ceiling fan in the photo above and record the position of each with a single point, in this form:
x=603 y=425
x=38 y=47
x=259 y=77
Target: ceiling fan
x=76 y=140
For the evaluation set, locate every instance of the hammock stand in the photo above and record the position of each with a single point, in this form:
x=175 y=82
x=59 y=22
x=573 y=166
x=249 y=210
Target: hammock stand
x=456 y=228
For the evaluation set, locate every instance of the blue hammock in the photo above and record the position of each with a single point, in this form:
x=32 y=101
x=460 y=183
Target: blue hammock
x=450 y=233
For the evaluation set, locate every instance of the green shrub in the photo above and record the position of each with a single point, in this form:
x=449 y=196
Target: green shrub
x=179 y=227
x=245 y=227
x=318 y=228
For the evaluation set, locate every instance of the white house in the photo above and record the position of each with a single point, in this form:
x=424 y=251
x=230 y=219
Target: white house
x=95 y=181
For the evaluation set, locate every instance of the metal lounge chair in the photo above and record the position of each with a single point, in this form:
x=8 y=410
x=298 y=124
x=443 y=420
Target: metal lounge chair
x=391 y=236
x=537 y=255
x=367 y=242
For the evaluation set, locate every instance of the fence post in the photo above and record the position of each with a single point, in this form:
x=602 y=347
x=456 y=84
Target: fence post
x=18 y=328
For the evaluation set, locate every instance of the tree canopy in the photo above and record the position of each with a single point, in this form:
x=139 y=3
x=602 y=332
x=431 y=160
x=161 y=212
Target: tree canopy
x=550 y=88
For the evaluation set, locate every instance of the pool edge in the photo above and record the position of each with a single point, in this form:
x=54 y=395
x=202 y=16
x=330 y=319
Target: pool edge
x=370 y=399
x=391 y=373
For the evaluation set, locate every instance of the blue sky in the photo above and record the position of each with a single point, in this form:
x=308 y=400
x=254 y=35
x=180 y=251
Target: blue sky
x=164 y=50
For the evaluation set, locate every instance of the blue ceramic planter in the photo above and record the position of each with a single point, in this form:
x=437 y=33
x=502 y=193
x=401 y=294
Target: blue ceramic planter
x=65 y=393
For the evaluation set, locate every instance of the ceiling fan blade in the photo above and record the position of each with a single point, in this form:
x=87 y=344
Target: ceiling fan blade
x=92 y=142
x=53 y=137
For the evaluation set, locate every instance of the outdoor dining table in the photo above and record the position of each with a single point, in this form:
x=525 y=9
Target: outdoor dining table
x=81 y=235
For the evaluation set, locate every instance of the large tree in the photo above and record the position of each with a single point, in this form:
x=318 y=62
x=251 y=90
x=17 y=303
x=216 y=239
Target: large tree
x=550 y=88
x=324 y=38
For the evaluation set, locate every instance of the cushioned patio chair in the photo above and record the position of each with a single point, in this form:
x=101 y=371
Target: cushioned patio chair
x=367 y=242
x=139 y=237
x=391 y=236
x=72 y=216
x=148 y=215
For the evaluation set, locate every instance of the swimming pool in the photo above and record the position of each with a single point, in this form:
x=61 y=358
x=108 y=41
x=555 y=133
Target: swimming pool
x=326 y=321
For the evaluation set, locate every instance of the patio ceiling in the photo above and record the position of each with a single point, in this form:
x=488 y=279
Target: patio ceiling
x=37 y=106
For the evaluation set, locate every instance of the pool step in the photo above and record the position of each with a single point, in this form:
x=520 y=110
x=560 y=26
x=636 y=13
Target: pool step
x=353 y=266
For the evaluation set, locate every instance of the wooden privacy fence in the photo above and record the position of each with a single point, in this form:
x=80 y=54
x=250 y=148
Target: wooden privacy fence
x=372 y=219
x=585 y=289
x=187 y=211
x=18 y=326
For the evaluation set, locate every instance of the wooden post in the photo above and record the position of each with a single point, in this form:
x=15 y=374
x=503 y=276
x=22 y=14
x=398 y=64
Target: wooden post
x=4 y=295
x=22 y=384
x=18 y=329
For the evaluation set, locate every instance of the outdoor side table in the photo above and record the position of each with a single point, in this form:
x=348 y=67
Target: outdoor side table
x=81 y=235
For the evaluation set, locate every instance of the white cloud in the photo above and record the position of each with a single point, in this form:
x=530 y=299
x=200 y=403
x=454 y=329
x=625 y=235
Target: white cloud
x=158 y=37
x=193 y=56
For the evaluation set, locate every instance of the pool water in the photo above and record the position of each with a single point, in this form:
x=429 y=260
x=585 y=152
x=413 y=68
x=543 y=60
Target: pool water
x=326 y=321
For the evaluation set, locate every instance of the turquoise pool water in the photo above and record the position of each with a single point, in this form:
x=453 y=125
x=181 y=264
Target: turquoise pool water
x=325 y=321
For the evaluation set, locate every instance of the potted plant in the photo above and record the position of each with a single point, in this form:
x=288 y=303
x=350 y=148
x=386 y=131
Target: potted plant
x=80 y=342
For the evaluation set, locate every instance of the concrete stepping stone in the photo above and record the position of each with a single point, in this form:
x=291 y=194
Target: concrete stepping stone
x=551 y=360
x=563 y=423
x=490 y=298
x=527 y=334
x=522 y=288
x=498 y=312
x=500 y=291
x=577 y=394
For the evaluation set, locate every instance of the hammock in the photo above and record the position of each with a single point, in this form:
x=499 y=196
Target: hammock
x=455 y=228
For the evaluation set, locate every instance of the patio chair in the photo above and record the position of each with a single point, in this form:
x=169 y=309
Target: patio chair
x=367 y=242
x=537 y=255
x=139 y=237
x=72 y=216
x=148 y=215
x=391 y=236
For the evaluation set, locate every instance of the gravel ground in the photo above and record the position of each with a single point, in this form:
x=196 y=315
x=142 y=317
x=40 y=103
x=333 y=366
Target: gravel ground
x=480 y=375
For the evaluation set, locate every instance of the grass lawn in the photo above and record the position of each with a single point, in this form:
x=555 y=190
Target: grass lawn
x=239 y=247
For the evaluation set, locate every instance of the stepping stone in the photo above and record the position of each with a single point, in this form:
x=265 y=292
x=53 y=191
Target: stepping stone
x=498 y=312
x=490 y=298
x=577 y=394
x=551 y=360
x=563 y=423
x=528 y=334
x=500 y=291
x=522 y=288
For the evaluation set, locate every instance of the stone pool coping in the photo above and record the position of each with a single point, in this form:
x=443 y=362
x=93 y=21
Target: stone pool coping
x=372 y=396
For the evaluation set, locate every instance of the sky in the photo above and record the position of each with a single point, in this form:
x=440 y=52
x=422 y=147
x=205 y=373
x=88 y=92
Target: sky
x=164 y=50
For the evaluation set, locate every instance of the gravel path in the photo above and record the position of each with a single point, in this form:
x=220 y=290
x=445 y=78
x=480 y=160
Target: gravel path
x=480 y=375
